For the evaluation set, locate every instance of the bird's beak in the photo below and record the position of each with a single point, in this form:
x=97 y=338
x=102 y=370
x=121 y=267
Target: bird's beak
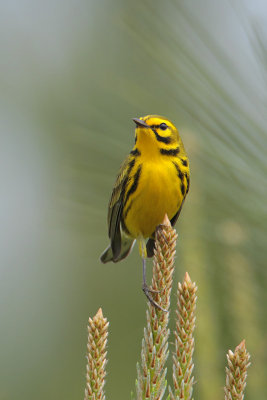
x=139 y=122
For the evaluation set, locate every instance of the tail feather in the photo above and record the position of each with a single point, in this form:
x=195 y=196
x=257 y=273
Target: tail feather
x=107 y=255
x=126 y=247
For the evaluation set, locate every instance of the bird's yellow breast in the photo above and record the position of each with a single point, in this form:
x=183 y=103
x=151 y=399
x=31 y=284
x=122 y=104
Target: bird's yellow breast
x=158 y=193
x=153 y=181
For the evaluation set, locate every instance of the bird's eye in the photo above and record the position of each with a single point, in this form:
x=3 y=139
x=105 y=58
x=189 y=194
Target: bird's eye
x=163 y=126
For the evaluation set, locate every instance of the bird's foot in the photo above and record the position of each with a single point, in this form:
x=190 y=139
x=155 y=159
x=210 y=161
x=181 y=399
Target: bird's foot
x=147 y=292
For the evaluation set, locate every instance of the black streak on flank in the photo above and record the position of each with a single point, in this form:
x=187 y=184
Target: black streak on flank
x=179 y=172
x=130 y=167
x=184 y=162
x=188 y=182
x=127 y=209
x=135 y=152
x=171 y=152
x=182 y=188
x=181 y=177
x=124 y=227
x=135 y=184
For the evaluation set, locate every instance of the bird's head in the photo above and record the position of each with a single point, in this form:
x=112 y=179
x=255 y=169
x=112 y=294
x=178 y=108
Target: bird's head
x=155 y=134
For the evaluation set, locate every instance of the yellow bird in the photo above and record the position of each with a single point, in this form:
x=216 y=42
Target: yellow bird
x=152 y=181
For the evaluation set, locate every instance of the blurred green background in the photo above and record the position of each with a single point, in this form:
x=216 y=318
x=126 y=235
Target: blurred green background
x=73 y=74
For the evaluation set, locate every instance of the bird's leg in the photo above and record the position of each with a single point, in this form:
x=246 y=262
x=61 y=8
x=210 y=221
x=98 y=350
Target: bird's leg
x=147 y=290
x=143 y=252
x=145 y=287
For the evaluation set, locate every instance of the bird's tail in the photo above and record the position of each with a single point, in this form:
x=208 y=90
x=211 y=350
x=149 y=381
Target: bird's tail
x=126 y=247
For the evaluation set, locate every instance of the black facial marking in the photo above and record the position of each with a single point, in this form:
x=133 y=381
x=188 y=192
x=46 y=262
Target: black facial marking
x=171 y=152
x=162 y=139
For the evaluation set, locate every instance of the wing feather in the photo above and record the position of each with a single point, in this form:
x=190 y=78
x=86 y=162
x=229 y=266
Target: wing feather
x=116 y=205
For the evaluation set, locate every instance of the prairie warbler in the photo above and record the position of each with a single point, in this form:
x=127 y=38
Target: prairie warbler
x=152 y=181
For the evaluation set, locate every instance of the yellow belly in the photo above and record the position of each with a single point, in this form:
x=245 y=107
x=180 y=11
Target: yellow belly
x=158 y=193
